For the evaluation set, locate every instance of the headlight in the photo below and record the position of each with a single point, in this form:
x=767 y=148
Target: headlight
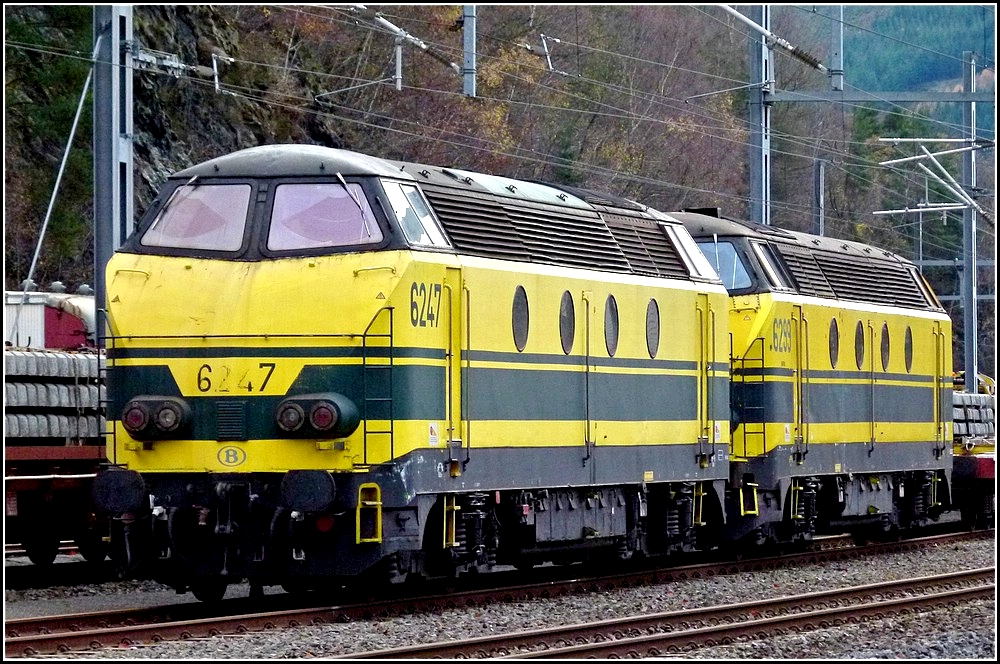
x=153 y=417
x=322 y=416
x=290 y=416
x=135 y=418
x=330 y=415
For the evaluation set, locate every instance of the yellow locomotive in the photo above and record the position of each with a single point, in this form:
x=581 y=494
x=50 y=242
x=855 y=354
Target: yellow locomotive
x=324 y=365
x=842 y=390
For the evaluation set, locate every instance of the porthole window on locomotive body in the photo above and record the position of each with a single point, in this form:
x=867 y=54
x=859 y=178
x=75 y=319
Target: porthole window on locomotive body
x=652 y=328
x=611 y=325
x=567 y=322
x=908 y=349
x=885 y=347
x=519 y=318
x=834 y=343
x=859 y=344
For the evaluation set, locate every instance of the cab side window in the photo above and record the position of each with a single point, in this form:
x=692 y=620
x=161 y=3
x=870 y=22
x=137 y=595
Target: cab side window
x=414 y=215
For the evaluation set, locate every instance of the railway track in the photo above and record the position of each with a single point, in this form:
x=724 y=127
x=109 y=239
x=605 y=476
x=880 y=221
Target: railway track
x=61 y=634
x=675 y=632
x=17 y=550
x=25 y=576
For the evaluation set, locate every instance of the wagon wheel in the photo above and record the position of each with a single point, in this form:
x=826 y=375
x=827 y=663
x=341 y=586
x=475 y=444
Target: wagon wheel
x=41 y=548
x=210 y=590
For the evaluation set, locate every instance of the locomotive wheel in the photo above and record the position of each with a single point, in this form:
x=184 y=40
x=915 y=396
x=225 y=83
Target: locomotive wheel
x=42 y=553
x=861 y=537
x=209 y=591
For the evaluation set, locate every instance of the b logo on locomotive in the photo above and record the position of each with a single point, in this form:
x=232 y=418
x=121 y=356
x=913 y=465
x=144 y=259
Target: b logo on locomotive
x=231 y=456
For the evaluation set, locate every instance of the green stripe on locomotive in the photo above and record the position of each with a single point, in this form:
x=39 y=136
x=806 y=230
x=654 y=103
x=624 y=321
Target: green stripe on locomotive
x=838 y=403
x=418 y=393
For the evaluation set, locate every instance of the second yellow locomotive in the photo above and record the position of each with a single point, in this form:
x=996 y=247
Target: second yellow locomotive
x=841 y=392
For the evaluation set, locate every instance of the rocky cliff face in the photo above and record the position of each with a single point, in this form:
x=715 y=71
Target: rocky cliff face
x=184 y=120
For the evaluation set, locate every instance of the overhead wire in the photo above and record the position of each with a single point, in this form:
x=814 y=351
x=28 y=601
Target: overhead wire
x=805 y=141
x=651 y=96
x=626 y=114
x=459 y=139
x=612 y=111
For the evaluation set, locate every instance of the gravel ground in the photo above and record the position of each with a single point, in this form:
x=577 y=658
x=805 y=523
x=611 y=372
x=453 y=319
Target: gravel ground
x=964 y=632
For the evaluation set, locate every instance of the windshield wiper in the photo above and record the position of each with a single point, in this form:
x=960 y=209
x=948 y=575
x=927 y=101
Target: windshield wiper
x=170 y=201
x=354 y=198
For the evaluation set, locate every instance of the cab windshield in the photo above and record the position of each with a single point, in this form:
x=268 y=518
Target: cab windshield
x=727 y=263
x=318 y=215
x=201 y=216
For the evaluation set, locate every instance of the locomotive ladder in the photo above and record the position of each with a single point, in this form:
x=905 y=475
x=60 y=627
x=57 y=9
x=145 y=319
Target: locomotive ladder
x=107 y=427
x=368 y=372
x=800 y=326
x=751 y=365
x=940 y=350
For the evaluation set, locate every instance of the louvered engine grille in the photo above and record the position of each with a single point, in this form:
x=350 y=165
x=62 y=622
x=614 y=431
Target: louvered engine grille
x=484 y=225
x=852 y=278
x=646 y=247
x=858 y=278
x=231 y=420
x=567 y=236
x=476 y=224
x=806 y=272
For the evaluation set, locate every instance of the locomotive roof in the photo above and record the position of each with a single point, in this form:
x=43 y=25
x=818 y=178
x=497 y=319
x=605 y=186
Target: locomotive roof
x=603 y=199
x=535 y=192
x=291 y=160
x=498 y=217
x=489 y=215
x=824 y=266
x=308 y=160
x=704 y=225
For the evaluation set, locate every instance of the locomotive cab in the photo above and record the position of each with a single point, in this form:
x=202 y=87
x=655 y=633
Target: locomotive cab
x=216 y=355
